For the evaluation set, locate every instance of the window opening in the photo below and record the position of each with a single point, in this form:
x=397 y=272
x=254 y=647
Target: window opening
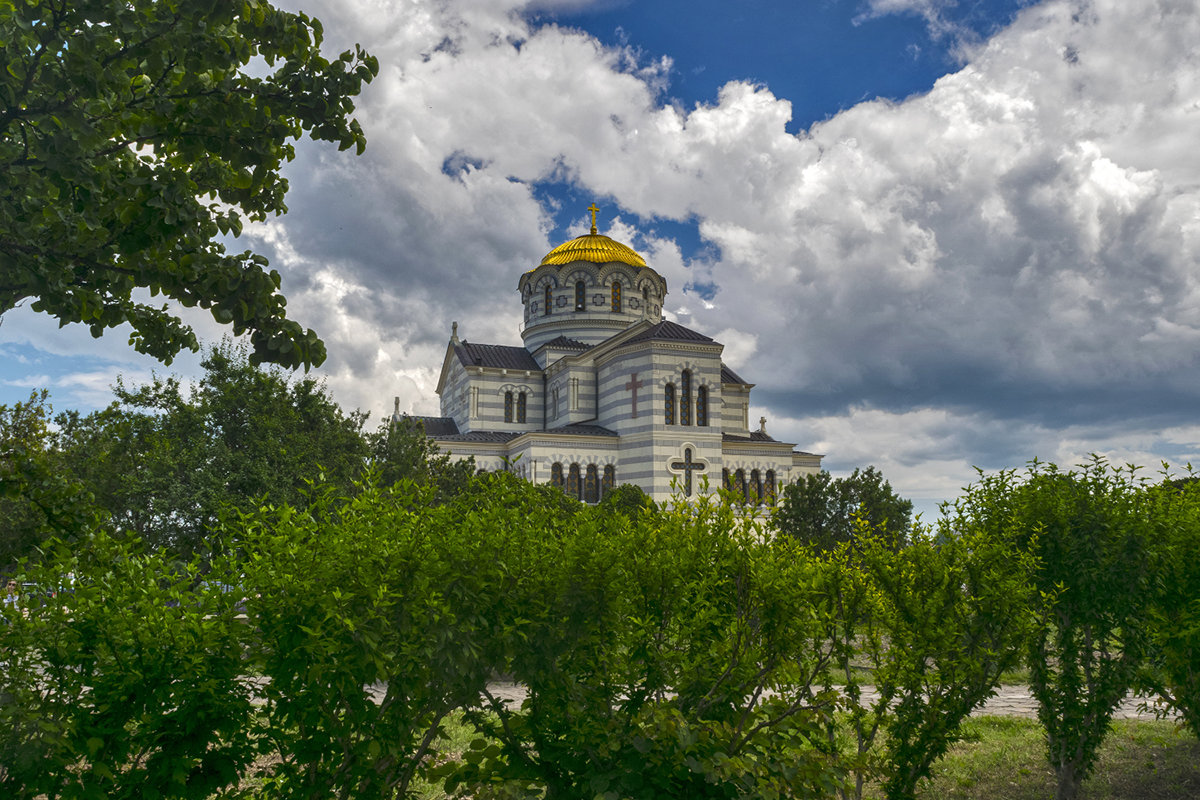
x=591 y=485
x=685 y=398
x=573 y=481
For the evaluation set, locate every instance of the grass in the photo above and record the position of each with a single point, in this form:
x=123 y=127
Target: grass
x=1004 y=759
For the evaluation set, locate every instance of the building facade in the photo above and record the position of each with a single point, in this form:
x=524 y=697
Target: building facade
x=604 y=390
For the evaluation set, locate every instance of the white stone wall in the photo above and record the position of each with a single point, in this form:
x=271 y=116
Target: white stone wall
x=643 y=291
x=735 y=410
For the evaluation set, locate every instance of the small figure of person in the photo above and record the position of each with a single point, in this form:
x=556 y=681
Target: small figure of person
x=10 y=594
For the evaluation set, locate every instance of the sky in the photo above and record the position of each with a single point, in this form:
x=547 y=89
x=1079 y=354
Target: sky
x=939 y=236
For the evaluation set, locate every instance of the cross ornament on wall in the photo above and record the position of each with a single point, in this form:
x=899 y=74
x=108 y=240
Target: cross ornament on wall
x=687 y=466
x=633 y=383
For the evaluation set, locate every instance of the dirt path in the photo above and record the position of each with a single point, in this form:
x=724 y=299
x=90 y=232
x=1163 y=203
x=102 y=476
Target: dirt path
x=1010 y=701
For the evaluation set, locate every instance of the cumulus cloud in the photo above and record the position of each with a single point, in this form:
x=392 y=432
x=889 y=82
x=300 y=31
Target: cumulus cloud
x=1001 y=267
x=1013 y=250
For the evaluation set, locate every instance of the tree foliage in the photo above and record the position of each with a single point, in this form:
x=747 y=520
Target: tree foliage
x=1173 y=662
x=39 y=497
x=400 y=451
x=133 y=135
x=648 y=645
x=165 y=461
x=822 y=510
x=123 y=677
x=1088 y=532
x=930 y=628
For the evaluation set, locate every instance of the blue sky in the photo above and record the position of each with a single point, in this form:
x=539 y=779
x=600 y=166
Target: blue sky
x=936 y=234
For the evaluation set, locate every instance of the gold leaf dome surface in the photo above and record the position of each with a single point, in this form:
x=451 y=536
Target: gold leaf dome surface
x=594 y=247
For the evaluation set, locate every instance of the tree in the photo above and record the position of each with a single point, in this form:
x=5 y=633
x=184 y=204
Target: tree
x=133 y=134
x=628 y=500
x=1173 y=664
x=165 y=462
x=38 y=496
x=821 y=510
x=1087 y=530
x=400 y=451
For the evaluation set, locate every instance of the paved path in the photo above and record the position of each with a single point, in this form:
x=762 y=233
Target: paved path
x=1010 y=701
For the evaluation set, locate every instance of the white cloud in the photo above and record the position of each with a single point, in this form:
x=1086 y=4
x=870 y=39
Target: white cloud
x=1002 y=267
x=1018 y=242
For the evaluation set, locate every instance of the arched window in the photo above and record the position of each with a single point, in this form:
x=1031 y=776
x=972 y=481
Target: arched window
x=616 y=297
x=669 y=403
x=580 y=296
x=726 y=479
x=739 y=480
x=609 y=480
x=702 y=406
x=556 y=474
x=508 y=407
x=554 y=403
x=521 y=407
x=769 y=487
x=591 y=485
x=755 y=487
x=549 y=301
x=685 y=398
x=573 y=481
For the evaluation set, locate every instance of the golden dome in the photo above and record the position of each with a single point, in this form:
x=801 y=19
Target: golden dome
x=594 y=247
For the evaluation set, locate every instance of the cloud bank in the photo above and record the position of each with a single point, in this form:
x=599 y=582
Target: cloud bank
x=1002 y=267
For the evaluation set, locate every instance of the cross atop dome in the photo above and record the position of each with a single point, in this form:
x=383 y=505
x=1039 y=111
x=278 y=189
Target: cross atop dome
x=592 y=208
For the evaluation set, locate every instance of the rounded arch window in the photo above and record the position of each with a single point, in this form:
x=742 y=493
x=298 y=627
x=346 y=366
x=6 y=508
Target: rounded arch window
x=580 y=295
x=549 y=300
x=616 y=297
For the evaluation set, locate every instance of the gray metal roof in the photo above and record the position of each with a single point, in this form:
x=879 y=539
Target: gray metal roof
x=495 y=355
x=480 y=436
x=755 y=436
x=582 y=430
x=671 y=331
x=436 y=426
x=569 y=344
x=729 y=376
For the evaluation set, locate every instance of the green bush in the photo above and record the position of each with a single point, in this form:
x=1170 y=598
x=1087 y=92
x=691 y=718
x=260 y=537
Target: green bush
x=931 y=628
x=1088 y=530
x=123 y=678
x=1173 y=663
x=661 y=659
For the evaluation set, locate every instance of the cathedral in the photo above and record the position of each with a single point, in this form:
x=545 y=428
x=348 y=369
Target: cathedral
x=605 y=391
